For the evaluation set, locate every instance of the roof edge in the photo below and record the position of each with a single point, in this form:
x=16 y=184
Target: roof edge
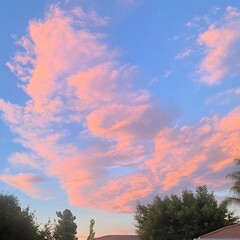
x=117 y=235
x=218 y=230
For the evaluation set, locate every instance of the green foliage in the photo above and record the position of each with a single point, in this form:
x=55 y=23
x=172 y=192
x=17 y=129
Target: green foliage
x=235 y=189
x=91 y=231
x=66 y=228
x=16 y=223
x=182 y=217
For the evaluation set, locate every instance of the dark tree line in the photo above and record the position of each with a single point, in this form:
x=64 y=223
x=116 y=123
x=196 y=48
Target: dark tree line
x=21 y=224
x=16 y=223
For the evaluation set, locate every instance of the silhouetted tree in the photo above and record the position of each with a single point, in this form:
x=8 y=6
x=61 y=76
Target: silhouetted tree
x=182 y=217
x=66 y=228
x=47 y=232
x=16 y=223
x=91 y=231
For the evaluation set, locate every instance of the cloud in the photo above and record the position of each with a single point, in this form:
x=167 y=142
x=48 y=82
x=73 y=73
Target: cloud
x=127 y=123
x=220 y=44
x=85 y=123
x=54 y=42
x=19 y=158
x=88 y=19
x=26 y=182
x=184 y=54
x=113 y=196
x=193 y=152
x=168 y=73
x=225 y=97
x=102 y=81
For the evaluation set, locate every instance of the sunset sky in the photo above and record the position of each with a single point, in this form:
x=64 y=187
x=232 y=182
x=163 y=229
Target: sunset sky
x=106 y=102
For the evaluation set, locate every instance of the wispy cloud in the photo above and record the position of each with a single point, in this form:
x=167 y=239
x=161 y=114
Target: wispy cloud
x=184 y=54
x=225 y=97
x=220 y=44
x=28 y=183
x=19 y=158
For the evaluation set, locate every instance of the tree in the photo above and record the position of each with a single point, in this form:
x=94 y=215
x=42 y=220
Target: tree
x=66 y=228
x=91 y=231
x=47 y=232
x=235 y=177
x=182 y=217
x=16 y=223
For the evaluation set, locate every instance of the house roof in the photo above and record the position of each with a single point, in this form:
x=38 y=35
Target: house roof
x=118 y=237
x=228 y=232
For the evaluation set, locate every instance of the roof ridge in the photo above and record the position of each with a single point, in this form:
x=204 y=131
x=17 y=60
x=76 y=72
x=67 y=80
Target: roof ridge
x=220 y=229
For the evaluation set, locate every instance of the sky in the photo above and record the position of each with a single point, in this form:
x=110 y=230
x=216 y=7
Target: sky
x=104 y=103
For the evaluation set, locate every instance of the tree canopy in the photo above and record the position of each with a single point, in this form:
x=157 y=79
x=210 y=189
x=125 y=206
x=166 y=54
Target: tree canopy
x=182 y=217
x=66 y=228
x=16 y=223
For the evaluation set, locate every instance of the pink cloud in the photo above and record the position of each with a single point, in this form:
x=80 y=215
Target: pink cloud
x=19 y=158
x=125 y=123
x=116 y=121
x=181 y=153
x=113 y=195
x=55 y=42
x=26 y=182
x=102 y=82
x=220 y=44
x=231 y=122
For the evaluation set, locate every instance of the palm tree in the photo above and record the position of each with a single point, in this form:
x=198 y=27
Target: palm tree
x=235 y=189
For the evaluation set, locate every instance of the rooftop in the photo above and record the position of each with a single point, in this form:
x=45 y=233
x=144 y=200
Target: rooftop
x=118 y=237
x=229 y=232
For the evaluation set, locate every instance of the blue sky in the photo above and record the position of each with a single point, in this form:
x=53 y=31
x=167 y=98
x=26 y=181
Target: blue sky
x=107 y=102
